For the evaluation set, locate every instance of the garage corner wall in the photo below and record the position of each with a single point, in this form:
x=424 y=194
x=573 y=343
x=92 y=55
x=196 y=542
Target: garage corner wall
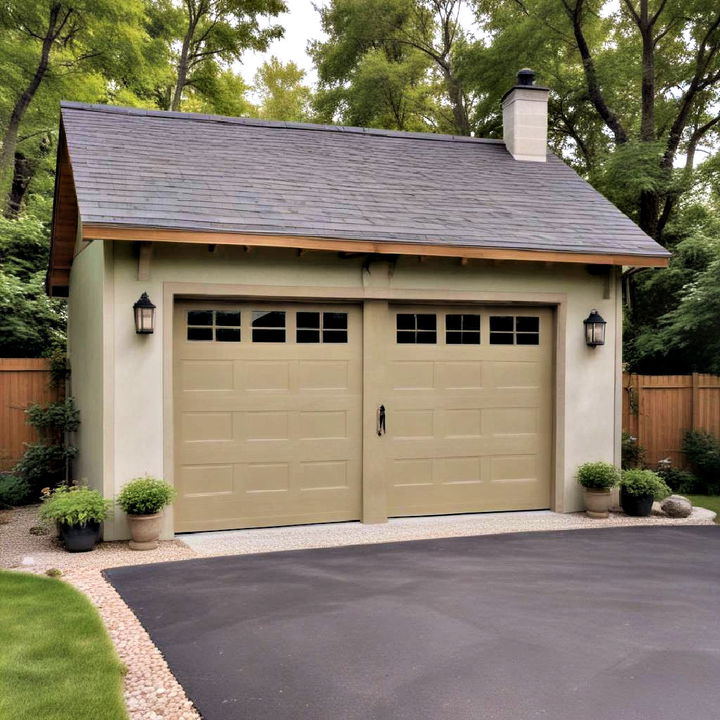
x=90 y=353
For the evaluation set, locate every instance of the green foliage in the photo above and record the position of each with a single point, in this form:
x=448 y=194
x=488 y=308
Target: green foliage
x=59 y=366
x=633 y=454
x=75 y=506
x=29 y=319
x=145 y=496
x=673 y=309
x=24 y=246
x=44 y=465
x=283 y=96
x=13 y=491
x=598 y=475
x=644 y=482
x=679 y=481
x=702 y=450
x=53 y=418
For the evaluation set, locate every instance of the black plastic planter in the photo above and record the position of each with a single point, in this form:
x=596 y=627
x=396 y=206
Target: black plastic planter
x=636 y=505
x=80 y=538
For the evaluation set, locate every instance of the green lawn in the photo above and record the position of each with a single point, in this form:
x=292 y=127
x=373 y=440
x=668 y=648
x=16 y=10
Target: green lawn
x=56 y=660
x=711 y=502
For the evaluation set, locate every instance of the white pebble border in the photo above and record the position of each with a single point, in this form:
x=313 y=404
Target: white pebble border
x=151 y=690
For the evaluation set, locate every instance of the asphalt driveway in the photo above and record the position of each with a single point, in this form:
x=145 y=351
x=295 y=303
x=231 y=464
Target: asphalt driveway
x=616 y=624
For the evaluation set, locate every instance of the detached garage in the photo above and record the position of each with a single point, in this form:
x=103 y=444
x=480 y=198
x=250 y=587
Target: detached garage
x=340 y=323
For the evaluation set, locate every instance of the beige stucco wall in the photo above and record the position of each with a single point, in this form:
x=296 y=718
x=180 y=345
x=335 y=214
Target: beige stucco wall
x=88 y=318
x=588 y=389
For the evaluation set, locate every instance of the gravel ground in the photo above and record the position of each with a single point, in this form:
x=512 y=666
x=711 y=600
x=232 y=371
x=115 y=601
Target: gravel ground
x=151 y=691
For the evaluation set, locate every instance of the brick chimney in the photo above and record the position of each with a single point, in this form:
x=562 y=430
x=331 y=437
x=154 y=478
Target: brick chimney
x=525 y=118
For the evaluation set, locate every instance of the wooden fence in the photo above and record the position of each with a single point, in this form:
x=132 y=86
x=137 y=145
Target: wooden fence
x=22 y=381
x=658 y=409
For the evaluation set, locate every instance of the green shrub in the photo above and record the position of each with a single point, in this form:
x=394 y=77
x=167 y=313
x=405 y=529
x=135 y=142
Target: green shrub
x=13 y=491
x=75 y=506
x=145 y=496
x=702 y=450
x=682 y=481
x=633 y=454
x=598 y=475
x=54 y=418
x=44 y=465
x=644 y=482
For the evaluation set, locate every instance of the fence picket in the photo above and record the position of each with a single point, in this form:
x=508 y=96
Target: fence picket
x=659 y=409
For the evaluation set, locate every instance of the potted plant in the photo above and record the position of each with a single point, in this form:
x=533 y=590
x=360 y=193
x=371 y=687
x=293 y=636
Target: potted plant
x=597 y=478
x=78 y=512
x=638 y=490
x=143 y=500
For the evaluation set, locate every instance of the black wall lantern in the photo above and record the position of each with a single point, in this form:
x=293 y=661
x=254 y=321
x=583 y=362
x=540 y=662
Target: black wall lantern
x=144 y=315
x=594 y=329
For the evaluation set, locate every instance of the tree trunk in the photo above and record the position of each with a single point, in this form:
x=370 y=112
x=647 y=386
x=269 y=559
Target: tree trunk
x=649 y=211
x=183 y=65
x=647 y=122
x=9 y=141
x=24 y=171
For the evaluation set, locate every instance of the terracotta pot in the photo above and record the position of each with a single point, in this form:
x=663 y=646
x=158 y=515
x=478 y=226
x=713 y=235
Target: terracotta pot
x=145 y=531
x=597 y=503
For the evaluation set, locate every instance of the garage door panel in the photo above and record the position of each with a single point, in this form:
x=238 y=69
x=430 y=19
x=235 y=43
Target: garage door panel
x=267 y=433
x=469 y=423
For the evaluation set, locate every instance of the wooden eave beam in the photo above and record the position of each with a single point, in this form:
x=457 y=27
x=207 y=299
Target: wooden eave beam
x=94 y=231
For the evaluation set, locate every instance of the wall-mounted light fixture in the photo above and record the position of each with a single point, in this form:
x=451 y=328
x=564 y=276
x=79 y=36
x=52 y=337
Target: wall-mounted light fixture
x=594 y=329
x=144 y=312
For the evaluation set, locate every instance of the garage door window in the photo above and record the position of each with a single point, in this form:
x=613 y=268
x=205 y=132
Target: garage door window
x=268 y=326
x=218 y=325
x=514 y=330
x=326 y=327
x=416 y=328
x=462 y=329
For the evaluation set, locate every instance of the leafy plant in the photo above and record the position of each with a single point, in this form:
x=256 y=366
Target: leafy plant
x=598 y=475
x=13 y=491
x=75 y=506
x=44 y=465
x=145 y=496
x=682 y=481
x=644 y=482
x=702 y=450
x=633 y=454
x=57 y=417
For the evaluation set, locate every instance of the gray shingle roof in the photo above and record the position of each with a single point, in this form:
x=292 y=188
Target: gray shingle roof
x=185 y=171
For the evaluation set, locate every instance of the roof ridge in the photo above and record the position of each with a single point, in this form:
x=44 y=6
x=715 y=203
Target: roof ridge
x=272 y=124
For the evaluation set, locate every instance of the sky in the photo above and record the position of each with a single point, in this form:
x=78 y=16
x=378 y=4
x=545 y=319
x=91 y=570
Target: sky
x=302 y=24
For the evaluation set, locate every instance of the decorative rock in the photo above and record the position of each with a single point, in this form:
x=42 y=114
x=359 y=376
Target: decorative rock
x=27 y=561
x=677 y=506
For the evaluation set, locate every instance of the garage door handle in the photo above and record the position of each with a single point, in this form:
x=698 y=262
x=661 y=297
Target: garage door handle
x=381 y=420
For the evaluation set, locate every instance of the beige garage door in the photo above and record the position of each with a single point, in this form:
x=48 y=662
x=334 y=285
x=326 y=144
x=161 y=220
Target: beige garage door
x=267 y=414
x=469 y=409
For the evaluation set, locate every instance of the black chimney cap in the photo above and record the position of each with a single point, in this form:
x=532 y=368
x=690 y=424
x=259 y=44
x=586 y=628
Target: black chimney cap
x=526 y=76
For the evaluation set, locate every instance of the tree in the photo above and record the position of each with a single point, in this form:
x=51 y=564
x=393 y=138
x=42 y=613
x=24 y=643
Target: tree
x=46 y=39
x=394 y=62
x=283 y=96
x=647 y=70
x=30 y=321
x=210 y=35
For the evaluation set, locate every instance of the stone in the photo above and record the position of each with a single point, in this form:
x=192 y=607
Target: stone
x=677 y=506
